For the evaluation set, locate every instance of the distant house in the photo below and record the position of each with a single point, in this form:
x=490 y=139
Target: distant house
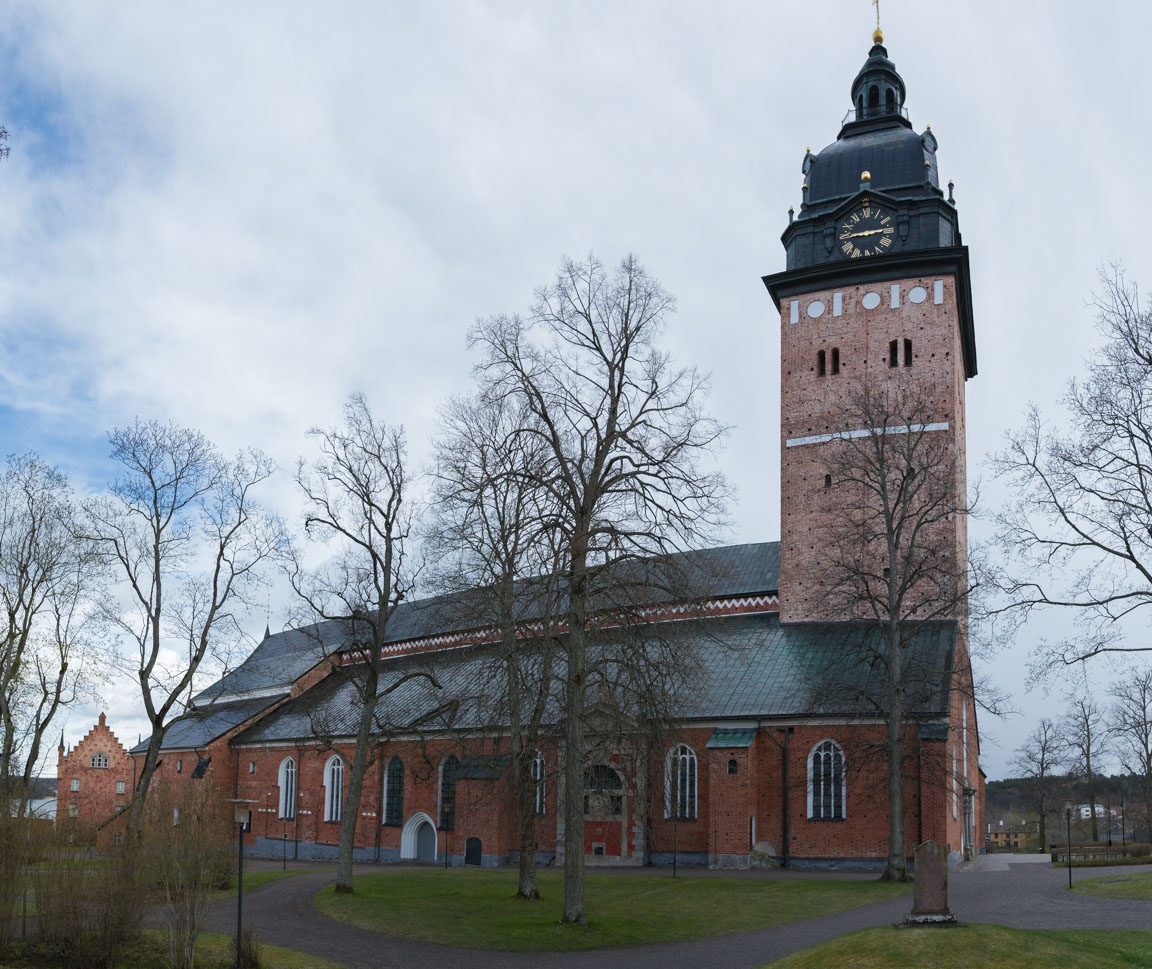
x=96 y=777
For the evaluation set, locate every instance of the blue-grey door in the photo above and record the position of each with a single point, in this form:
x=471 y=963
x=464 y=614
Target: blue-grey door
x=426 y=843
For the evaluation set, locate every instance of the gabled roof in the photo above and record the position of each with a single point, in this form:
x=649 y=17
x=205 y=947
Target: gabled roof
x=728 y=571
x=746 y=668
x=201 y=726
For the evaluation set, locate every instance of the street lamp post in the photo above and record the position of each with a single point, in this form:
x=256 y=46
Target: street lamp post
x=243 y=812
x=1123 y=825
x=1068 y=818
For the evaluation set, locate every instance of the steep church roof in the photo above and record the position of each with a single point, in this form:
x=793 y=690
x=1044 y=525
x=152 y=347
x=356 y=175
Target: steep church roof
x=744 y=667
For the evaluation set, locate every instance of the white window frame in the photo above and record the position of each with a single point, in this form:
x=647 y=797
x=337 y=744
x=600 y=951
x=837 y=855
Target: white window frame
x=681 y=768
x=334 y=788
x=121 y=787
x=75 y=786
x=539 y=793
x=286 y=778
x=955 y=792
x=813 y=797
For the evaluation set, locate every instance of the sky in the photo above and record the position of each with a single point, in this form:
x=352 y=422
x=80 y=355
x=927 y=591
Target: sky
x=233 y=215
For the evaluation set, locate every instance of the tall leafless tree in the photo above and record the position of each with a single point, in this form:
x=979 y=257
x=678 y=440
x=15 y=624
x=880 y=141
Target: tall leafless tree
x=896 y=555
x=492 y=530
x=1130 y=724
x=625 y=435
x=356 y=495
x=49 y=582
x=1083 y=733
x=1079 y=532
x=182 y=529
x=1041 y=759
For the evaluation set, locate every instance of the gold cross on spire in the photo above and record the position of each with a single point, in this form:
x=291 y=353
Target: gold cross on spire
x=877 y=34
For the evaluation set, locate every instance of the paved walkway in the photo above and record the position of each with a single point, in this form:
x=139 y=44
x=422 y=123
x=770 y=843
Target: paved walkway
x=1000 y=889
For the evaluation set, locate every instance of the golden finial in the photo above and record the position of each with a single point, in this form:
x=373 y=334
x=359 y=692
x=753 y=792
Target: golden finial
x=865 y=176
x=877 y=34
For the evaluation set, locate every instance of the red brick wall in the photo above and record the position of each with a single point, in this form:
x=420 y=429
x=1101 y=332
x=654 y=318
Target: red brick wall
x=811 y=405
x=97 y=799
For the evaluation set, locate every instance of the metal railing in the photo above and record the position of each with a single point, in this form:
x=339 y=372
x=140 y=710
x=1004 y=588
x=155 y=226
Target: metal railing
x=874 y=111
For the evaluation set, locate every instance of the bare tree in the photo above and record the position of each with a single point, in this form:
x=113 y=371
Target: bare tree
x=182 y=529
x=49 y=580
x=1079 y=533
x=356 y=494
x=897 y=556
x=491 y=529
x=625 y=434
x=1041 y=759
x=1130 y=723
x=1083 y=733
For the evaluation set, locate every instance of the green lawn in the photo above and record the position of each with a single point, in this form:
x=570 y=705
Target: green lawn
x=212 y=952
x=254 y=879
x=478 y=909
x=1117 y=886
x=987 y=946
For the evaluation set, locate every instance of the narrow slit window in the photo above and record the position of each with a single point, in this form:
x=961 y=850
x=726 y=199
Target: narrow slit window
x=827 y=481
x=893 y=354
x=907 y=353
x=820 y=368
x=835 y=360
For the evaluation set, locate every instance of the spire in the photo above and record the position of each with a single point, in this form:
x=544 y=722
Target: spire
x=61 y=740
x=878 y=90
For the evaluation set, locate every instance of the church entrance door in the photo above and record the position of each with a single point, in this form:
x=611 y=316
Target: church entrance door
x=426 y=843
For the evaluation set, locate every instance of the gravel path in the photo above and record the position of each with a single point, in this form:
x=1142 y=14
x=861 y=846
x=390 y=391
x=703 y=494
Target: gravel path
x=989 y=889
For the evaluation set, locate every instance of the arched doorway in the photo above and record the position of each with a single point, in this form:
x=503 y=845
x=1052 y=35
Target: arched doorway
x=418 y=839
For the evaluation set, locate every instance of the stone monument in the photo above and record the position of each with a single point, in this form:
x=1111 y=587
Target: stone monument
x=930 y=888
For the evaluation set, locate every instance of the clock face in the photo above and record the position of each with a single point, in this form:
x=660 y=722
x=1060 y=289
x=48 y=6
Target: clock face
x=867 y=231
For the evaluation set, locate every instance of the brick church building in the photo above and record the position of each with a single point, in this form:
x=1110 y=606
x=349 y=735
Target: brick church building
x=763 y=765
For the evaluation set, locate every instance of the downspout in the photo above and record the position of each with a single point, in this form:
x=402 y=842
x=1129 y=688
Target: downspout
x=787 y=817
x=919 y=788
x=379 y=800
x=296 y=806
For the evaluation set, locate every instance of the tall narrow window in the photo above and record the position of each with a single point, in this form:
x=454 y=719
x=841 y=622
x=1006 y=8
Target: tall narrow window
x=538 y=781
x=394 y=793
x=334 y=790
x=907 y=353
x=890 y=100
x=820 y=366
x=835 y=359
x=448 y=771
x=827 y=481
x=893 y=354
x=680 y=783
x=287 y=781
x=826 y=782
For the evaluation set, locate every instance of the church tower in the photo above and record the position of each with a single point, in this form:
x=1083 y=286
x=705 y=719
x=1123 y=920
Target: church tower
x=876 y=288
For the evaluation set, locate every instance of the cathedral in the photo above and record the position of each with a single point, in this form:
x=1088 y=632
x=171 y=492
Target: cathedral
x=766 y=762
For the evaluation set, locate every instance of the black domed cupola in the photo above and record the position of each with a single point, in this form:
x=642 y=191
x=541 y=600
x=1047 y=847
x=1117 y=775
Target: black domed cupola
x=880 y=155
x=878 y=90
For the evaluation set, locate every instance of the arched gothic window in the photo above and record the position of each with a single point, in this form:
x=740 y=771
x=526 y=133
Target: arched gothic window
x=538 y=780
x=826 y=782
x=334 y=789
x=394 y=792
x=603 y=798
x=448 y=770
x=680 y=783
x=287 y=782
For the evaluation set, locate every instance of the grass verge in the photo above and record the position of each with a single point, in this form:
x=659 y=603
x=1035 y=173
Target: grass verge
x=987 y=946
x=212 y=952
x=1138 y=886
x=479 y=909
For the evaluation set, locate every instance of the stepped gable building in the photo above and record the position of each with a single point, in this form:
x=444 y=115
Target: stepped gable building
x=95 y=778
x=767 y=762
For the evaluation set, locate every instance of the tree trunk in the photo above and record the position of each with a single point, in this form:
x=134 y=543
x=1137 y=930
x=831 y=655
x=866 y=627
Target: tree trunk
x=151 y=758
x=522 y=758
x=356 y=778
x=574 y=907
x=897 y=869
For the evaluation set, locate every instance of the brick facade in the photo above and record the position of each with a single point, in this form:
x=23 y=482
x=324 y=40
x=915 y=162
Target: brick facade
x=96 y=777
